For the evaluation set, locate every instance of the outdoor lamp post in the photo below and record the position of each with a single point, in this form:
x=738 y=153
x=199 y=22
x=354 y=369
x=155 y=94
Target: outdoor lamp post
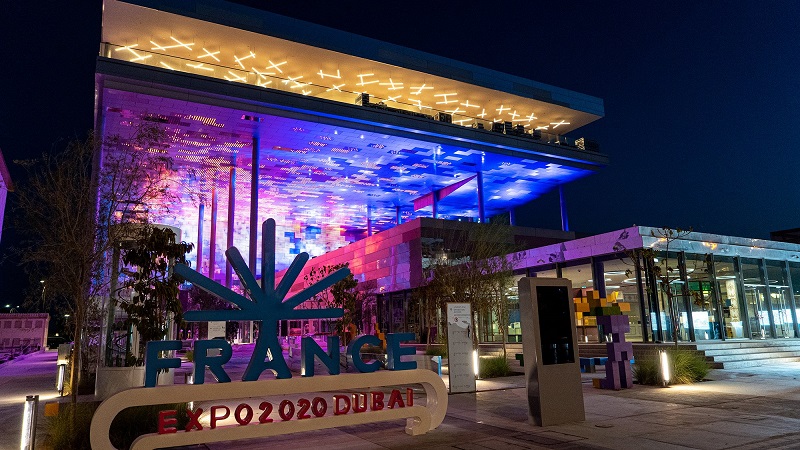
x=664 y=368
x=28 y=438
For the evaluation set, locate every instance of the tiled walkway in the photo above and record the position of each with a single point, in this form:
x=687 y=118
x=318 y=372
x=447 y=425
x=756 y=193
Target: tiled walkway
x=751 y=408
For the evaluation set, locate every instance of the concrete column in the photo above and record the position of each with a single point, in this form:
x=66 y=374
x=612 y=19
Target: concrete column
x=231 y=217
x=481 y=209
x=254 y=205
x=369 y=220
x=563 y=203
x=212 y=240
x=200 y=213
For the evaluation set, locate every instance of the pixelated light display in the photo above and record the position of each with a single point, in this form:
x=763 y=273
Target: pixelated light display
x=321 y=183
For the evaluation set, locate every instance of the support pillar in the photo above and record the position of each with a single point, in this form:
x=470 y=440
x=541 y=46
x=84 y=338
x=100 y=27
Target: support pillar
x=212 y=240
x=435 y=204
x=397 y=217
x=563 y=203
x=254 y=205
x=512 y=217
x=200 y=215
x=231 y=217
x=369 y=220
x=481 y=209
x=598 y=277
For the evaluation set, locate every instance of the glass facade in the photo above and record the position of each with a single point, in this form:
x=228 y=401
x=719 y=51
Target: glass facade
x=694 y=296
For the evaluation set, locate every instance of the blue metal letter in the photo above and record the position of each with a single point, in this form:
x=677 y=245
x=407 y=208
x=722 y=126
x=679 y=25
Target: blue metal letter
x=354 y=350
x=309 y=349
x=394 y=351
x=152 y=363
x=214 y=363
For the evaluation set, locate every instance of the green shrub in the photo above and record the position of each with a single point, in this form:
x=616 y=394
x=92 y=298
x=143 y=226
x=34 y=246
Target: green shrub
x=647 y=371
x=686 y=366
x=495 y=366
x=437 y=350
x=125 y=428
x=58 y=427
x=190 y=355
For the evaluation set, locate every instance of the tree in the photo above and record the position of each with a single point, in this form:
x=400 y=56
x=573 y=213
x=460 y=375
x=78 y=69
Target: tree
x=469 y=265
x=70 y=208
x=153 y=304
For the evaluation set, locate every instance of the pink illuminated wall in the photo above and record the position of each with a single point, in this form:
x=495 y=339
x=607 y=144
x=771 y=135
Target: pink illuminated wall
x=386 y=262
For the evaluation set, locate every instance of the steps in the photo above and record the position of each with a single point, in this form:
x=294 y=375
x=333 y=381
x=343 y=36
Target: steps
x=720 y=354
x=741 y=354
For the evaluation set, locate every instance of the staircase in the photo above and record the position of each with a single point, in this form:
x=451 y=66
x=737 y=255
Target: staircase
x=741 y=354
x=720 y=354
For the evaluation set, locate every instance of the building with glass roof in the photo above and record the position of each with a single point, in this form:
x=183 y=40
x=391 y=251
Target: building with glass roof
x=335 y=136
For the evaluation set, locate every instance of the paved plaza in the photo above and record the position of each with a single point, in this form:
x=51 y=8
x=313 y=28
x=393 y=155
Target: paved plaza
x=754 y=408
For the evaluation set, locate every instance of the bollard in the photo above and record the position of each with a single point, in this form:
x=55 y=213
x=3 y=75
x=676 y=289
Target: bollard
x=28 y=438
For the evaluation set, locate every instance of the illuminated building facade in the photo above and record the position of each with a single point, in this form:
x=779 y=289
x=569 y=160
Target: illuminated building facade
x=340 y=138
x=345 y=136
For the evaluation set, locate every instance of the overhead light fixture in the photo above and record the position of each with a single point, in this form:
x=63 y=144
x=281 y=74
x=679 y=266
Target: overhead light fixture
x=276 y=66
x=364 y=75
x=323 y=74
x=419 y=89
x=394 y=85
x=200 y=66
x=335 y=88
x=559 y=123
x=445 y=101
x=209 y=54
x=239 y=60
x=176 y=45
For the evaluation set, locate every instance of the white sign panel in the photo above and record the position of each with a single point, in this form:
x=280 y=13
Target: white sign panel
x=216 y=330
x=459 y=347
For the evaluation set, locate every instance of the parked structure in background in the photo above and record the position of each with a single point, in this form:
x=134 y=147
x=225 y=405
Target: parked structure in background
x=24 y=331
x=5 y=187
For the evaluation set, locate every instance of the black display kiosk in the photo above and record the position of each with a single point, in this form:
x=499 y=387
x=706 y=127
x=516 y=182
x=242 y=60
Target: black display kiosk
x=549 y=342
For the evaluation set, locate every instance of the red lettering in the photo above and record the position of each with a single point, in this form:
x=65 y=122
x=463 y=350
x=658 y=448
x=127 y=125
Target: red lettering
x=215 y=417
x=304 y=405
x=338 y=409
x=357 y=408
x=166 y=418
x=248 y=415
x=194 y=419
x=396 y=399
x=319 y=406
x=377 y=400
x=266 y=407
x=286 y=410
x=409 y=397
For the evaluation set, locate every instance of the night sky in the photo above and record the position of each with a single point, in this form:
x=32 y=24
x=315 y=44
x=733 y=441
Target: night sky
x=701 y=99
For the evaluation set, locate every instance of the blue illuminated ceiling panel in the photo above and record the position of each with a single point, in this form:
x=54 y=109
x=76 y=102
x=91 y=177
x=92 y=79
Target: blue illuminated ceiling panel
x=310 y=170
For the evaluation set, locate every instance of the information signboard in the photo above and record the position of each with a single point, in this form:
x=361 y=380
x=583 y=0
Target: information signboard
x=459 y=348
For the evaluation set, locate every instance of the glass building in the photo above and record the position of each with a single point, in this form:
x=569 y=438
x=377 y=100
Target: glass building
x=693 y=286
